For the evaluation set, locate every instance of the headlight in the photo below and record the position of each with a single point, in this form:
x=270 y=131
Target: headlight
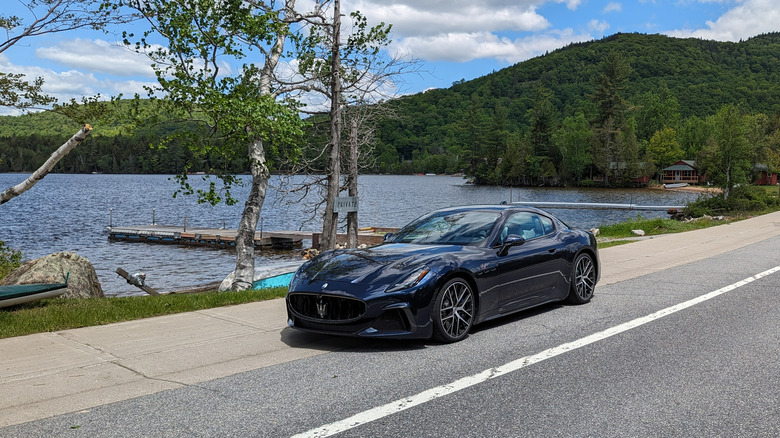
x=418 y=276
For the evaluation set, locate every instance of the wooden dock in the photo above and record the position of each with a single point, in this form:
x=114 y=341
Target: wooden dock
x=226 y=238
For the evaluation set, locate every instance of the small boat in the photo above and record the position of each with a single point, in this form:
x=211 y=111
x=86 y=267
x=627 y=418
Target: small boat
x=275 y=276
x=675 y=186
x=25 y=293
x=281 y=280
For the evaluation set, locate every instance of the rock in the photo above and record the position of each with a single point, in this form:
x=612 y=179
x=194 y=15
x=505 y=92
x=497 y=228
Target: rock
x=310 y=254
x=595 y=232
x=638 y=232
x=82 y=281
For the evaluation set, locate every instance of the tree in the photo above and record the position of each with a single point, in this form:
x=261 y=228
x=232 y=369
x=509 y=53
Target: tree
x=573 y=141
x=609 y=124
x=246 y=106
x=352 y=77
x=728 y=158
x=656 y=110
x=48 y=17
x=42 y=171
x=663 y=148
x=543 y=118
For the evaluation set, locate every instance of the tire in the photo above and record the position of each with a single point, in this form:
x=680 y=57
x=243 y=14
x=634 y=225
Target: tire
x=453 y=311
x=583 y=279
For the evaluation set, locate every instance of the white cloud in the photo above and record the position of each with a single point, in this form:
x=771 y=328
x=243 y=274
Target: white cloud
x=465 y=30
x=749 y=18
x=435 y=17
x=76 y=84
x=98 y=56
x=598 y=26
x=462 y=47
x=613 y=7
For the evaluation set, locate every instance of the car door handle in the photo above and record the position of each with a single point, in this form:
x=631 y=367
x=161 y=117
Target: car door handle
x=552 y=250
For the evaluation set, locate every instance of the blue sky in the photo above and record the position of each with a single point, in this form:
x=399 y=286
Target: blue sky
x=452 y=39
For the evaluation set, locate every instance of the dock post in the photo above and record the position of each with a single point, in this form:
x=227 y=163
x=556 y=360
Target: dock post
x=153 y=214
x=185 y=224
x=261 y=228
x=110 y=218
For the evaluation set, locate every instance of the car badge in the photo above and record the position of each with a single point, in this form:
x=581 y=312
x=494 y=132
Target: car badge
x=322 y=308
x=324 y=286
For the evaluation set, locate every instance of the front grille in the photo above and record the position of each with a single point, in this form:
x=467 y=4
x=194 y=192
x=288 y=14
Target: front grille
x=326 y=307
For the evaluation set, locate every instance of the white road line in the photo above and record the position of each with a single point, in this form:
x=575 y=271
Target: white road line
x=466 y=382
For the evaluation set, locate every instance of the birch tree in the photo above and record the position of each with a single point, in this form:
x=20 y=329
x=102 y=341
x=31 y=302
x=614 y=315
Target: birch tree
x=42 y=171
x=218 y=67
x=17 y=91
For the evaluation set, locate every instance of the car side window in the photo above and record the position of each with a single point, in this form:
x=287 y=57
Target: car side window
x=547 y=225
x=526 y=225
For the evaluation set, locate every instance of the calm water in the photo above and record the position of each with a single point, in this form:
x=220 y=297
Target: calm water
x=73 y=212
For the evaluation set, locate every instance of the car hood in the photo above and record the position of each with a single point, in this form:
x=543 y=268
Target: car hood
x=380 y=264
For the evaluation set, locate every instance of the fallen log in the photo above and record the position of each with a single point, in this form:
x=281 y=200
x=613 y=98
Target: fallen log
x=137 y=280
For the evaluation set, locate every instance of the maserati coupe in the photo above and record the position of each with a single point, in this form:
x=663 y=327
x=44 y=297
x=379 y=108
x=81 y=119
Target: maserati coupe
x=443 y=273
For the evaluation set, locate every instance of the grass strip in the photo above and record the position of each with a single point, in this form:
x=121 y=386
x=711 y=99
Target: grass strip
x=61 y=314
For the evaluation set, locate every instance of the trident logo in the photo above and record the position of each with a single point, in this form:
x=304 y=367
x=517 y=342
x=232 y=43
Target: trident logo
x=322 y=308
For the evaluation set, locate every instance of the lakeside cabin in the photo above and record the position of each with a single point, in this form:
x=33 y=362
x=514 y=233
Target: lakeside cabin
x=683 y=171
x=763 y=176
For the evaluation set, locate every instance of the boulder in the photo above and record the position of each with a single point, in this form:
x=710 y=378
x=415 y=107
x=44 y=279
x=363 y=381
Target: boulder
x=82 y=281
x=638 y=232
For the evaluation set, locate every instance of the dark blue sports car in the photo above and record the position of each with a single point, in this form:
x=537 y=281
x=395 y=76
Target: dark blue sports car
x=445 y=272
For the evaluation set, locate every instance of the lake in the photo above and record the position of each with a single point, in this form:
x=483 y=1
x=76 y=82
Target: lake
x=73 y=213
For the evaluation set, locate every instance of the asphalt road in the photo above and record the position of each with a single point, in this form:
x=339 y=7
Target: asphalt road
x=709 y=368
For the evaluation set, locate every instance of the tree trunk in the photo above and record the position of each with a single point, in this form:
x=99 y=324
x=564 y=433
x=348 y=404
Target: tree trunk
x=245 y=235
x=330 y=221
x=352 y=184
x=44 y=170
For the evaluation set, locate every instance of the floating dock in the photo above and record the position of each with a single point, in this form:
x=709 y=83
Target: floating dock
x=226 y=238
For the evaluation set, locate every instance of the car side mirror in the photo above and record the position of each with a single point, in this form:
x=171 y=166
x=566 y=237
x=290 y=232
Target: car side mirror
x=510 y=241
x=387 y=237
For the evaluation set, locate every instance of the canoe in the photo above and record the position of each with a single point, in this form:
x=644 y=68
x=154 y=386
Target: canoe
x=281 y=280
x=25 y=293
x=278 y=274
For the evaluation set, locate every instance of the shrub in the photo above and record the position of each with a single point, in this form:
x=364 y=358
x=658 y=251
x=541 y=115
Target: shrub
x=10 y=259
x=743 y=199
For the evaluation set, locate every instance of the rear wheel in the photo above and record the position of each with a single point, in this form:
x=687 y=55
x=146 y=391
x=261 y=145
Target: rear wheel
x=453 y=311
x=583 y=279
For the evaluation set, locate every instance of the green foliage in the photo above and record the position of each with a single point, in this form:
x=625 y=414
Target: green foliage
x=228 y=110
x=743 y=199
x=10 y=259
x=729 y=156
x=672 y=82
x=663 y=148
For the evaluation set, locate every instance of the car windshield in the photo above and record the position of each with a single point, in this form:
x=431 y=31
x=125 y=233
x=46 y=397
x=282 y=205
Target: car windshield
x=448 y=228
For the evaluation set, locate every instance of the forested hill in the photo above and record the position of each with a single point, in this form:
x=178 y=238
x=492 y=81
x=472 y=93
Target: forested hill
x=702 y=75
x=445 y=130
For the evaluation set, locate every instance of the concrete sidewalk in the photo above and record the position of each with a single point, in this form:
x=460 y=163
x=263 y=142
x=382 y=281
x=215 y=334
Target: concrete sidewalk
x=48 y=374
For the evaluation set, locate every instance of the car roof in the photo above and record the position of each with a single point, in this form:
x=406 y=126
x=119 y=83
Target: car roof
x=492 y=207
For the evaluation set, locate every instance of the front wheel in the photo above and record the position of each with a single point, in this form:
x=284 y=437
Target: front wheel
x=583 y=280
x=453 y=311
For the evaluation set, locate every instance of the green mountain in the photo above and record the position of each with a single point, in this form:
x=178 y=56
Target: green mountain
x=702 y=75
